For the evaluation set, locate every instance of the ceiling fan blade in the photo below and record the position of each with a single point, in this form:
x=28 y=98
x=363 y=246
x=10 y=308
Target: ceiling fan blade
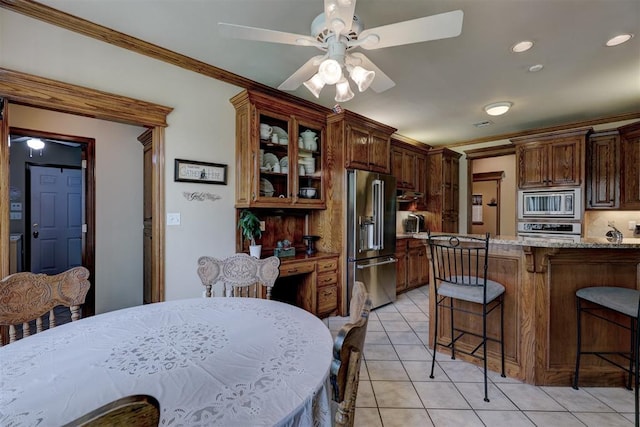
x=264 y=35
x=381 y=82
x=302 y=74
x=343 y=11
x=433 y=27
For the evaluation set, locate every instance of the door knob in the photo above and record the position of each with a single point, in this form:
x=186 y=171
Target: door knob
x=36 y=233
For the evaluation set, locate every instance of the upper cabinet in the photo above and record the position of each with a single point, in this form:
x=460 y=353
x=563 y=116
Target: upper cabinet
x=443 y=190
x=409 y=166
x=553 y=159
x=366 y=142
x=630 y=166
x=603 y=170
x=279 y=153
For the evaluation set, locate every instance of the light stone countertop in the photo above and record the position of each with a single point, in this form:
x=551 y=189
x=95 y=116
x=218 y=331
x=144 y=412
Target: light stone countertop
x=585 y=242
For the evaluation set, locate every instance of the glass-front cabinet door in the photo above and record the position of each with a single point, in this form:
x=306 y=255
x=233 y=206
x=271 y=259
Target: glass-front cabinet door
x=273 y=159
x=310 y=146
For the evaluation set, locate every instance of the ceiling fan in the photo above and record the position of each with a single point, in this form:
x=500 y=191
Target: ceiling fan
x=337 y=31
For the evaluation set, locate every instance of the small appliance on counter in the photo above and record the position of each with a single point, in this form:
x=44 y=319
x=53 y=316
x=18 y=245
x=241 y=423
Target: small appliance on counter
x=414 y=223
x=310 y=241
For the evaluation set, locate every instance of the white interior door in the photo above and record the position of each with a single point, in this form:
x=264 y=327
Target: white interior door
x=56 y=219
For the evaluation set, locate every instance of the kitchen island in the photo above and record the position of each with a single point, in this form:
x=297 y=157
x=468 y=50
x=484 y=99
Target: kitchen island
x=541 y=278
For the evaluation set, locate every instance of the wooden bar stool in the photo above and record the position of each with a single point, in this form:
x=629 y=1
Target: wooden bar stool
x=620 y=300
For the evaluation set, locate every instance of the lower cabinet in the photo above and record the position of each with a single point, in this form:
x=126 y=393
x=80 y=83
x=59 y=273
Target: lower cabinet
x=309 y=283
x=412 y=268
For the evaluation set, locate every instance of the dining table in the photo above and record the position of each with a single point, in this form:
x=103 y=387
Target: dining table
x=208 y=361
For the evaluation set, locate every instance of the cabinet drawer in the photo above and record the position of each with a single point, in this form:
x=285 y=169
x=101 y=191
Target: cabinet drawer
x=327 y=265
x=327 y=298
x=416 y=243
x=297 y=268
x=327 y=279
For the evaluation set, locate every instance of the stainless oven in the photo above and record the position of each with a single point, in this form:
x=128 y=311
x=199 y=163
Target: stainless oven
x=548 y=204
x=566 y=231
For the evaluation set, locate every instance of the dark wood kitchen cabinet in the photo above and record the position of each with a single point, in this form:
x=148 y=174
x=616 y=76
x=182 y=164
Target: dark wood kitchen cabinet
x=630 y=166
x=366 y=142
x=409 y=166
x=603 y=170
x=442 y=196
x=554 y=159
x=412 y=268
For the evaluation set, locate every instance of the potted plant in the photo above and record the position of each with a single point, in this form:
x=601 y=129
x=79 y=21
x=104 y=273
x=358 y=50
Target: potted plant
x=249 y=224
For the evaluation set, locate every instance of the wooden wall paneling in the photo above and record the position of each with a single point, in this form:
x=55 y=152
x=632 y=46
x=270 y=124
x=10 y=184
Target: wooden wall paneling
x=4 y=188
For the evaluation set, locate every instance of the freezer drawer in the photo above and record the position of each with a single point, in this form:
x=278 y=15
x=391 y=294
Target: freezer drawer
x=378 y=276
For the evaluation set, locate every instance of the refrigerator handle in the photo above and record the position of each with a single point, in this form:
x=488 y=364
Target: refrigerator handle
x=378 y=197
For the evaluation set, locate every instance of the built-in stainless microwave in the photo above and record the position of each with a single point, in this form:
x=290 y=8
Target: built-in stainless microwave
x=550 y=204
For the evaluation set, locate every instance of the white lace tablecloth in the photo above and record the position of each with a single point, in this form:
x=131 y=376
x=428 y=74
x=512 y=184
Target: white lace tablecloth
x=209 y=362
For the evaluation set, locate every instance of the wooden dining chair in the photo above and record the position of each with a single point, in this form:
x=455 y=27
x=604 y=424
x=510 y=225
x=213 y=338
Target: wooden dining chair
x=28 y=300
x=241 y=275
x=347 y=356
x=138 y=411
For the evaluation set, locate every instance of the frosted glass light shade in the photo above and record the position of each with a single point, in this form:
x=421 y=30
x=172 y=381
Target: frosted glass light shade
x=498 y=108
x=362 y=77
x=315 y=85
x=330 y=71
x=343 y=91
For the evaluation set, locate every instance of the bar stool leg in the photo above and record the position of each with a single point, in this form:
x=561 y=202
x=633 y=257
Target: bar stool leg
x=435 y=336
x=453 y=345
x=502 y=333
x=631 y=352
x=636 y=356
x=484 y=350
x=579 y=350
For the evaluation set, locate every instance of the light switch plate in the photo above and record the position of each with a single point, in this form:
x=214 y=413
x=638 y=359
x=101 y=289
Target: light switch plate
x=15 y=215
x=173 y=218
x=16 y=206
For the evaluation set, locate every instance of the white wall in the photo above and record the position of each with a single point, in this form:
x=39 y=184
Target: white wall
x=201 y=127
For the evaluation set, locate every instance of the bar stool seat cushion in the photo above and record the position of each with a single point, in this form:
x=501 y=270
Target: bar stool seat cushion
x=469 y=288
x=622 y=300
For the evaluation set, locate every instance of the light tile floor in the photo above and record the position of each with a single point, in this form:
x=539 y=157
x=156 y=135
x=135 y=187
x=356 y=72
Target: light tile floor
x=395 y=388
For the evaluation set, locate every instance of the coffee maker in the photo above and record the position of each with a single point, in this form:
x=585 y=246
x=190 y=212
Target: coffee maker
x=414 y=223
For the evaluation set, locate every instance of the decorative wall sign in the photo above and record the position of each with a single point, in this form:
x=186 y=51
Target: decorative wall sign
x=201 y=172
x=200 y=196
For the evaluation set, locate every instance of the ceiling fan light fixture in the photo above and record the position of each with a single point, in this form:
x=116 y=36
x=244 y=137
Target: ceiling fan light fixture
x=343 y=91
x=330 y=71
x=362 y=77
x=315 y=85
x=498 y=108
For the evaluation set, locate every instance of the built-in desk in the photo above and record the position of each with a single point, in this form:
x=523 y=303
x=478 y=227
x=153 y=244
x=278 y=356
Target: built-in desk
x=310 y=282
x=541 y=279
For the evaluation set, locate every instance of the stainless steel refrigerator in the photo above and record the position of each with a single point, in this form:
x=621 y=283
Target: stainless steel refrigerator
x=371 y=234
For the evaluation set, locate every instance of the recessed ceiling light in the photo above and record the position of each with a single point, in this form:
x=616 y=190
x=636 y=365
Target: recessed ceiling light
x=498 y=108
x=535 y=68
x=619 y=39
x=522 y=46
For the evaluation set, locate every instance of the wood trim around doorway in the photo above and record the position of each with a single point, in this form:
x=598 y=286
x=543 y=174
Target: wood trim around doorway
x=38 y=92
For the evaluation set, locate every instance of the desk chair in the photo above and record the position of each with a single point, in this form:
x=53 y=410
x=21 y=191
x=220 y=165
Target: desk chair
x=347 y=355
x=138 y=411
x=459 y=265
x=27 y=299
x=620 y=300
x=243 y=275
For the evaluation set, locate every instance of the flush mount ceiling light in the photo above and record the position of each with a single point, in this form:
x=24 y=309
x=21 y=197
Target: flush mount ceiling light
x=35 y=144
x=619 y=39
x=497 y=108
x=522 y=46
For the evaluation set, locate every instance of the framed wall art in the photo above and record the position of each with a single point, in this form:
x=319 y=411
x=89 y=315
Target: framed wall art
x=201 y=172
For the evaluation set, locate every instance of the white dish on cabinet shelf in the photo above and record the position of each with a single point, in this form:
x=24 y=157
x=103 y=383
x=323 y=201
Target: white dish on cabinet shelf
x=266 y=188
x=270 y=160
